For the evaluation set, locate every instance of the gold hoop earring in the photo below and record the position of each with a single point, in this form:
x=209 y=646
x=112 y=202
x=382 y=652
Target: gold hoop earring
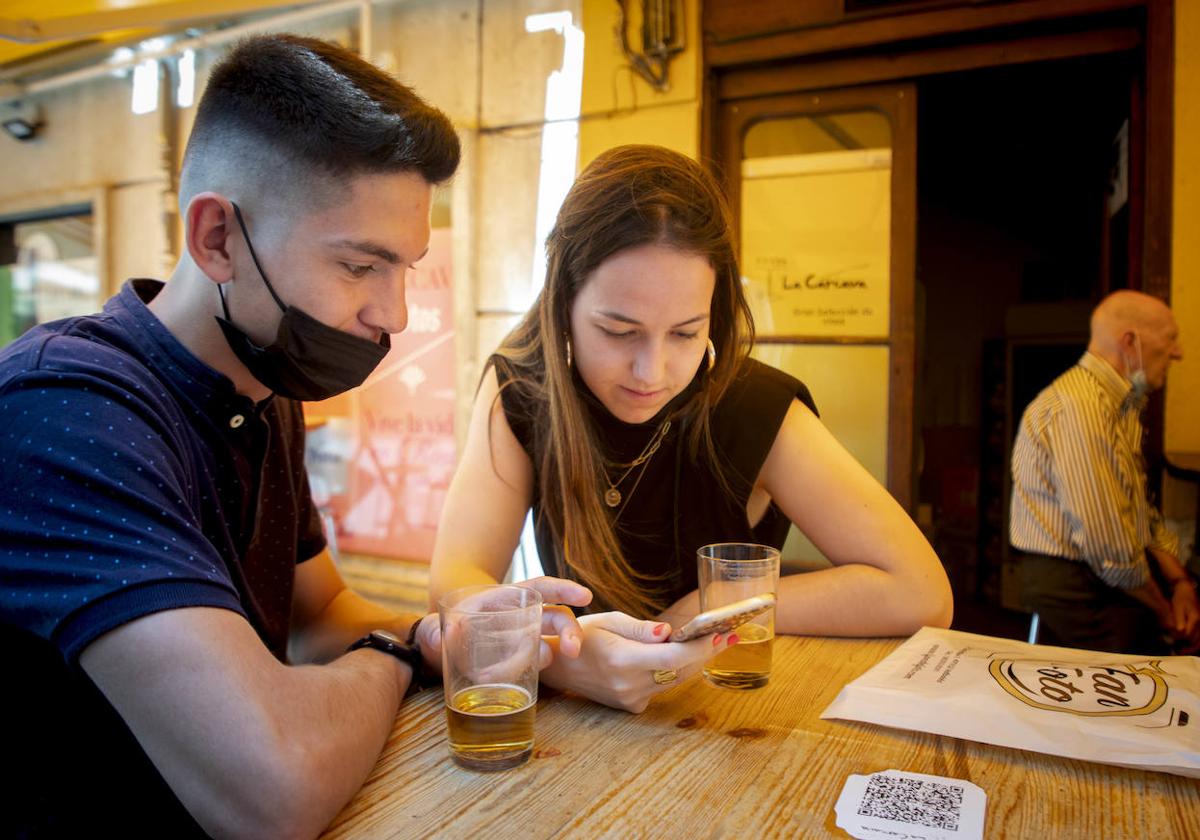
x=712 y=354
x=567 y=339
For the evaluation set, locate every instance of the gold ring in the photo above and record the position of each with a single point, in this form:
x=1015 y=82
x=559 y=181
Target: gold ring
x=666 y=677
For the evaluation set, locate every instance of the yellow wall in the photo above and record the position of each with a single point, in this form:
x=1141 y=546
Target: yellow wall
x=618 y=106
x=1183 y=404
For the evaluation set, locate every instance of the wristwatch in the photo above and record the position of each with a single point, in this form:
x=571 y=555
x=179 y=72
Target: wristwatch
x=406 y=650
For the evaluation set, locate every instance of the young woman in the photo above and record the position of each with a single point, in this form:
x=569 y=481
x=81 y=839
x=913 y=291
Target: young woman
x=625 y=411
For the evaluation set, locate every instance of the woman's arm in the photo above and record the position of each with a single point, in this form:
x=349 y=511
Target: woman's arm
x=483 y=517
x=486 y=505
x=886 y=579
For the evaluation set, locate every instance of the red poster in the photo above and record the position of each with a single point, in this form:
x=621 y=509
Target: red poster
x=381 y=457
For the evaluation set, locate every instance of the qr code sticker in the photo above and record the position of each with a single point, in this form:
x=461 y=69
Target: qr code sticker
x=913 y=801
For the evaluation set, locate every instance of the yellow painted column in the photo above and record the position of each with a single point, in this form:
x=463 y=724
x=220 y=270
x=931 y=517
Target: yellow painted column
x=1183 y=391
x=618 y=106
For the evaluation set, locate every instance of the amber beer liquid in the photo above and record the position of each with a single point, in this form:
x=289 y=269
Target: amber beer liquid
x=731 y=572
x=491 y=726
x=747 y=664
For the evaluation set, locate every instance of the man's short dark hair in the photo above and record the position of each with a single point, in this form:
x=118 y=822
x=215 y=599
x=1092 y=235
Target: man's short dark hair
x=284 y=113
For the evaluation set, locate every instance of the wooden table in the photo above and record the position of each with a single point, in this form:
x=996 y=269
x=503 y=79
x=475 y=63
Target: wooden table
x=703 y=762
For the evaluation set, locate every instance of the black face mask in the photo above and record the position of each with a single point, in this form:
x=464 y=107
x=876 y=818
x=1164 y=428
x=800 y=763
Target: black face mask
x=307 y=360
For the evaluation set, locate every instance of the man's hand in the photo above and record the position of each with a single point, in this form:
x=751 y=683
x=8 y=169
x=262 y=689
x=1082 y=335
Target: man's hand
x=1185 y=610
x=429 y=637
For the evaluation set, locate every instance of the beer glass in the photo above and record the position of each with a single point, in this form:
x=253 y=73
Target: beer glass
x=732 y=572
x=490 y=641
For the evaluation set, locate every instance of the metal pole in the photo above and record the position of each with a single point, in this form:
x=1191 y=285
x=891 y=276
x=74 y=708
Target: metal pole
x=366 y=25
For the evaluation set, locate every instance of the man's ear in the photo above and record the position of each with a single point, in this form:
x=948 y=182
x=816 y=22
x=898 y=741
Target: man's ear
x=209 y=224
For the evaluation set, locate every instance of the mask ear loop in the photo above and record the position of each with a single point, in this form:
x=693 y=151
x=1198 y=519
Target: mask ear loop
x=224 y=305
x=1134 y=363
x=1137 y=343
x=246 y=234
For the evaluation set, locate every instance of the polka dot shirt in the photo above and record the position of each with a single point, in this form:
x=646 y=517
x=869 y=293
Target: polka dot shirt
x=135 y=480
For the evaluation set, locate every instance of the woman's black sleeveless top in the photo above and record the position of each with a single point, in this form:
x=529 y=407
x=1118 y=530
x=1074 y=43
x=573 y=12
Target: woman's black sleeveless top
x=677 y=505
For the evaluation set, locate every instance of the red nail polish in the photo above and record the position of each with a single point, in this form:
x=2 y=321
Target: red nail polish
x=659 y=628
x=733 y=639
x=716 y=640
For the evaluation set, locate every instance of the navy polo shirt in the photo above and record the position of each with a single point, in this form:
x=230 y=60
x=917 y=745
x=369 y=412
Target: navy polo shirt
x=135 y=479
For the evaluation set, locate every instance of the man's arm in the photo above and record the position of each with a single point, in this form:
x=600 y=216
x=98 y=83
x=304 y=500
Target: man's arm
x=1177 y=609
x=252 y=747
x=327 y=616
x=1093 y=483
x=1105 y=511
x=1184 y=607
x=1152 y=596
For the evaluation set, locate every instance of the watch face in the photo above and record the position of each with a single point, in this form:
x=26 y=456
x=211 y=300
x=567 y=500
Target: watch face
x=388 y=637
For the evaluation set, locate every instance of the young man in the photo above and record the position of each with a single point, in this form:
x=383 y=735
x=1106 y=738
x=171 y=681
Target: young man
x=164 y=575
x=1094 y=544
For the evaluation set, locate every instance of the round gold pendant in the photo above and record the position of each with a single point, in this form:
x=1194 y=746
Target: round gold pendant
x=612 y=497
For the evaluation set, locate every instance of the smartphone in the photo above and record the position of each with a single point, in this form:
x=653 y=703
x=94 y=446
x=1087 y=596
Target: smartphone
x=723 y=619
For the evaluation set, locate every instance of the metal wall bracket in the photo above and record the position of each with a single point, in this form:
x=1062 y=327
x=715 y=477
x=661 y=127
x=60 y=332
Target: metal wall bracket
x=662 y=37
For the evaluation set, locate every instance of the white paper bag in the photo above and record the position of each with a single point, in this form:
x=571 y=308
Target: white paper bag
x=1133 y=711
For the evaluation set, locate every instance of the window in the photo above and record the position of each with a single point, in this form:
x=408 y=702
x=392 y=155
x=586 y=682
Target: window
x=48 y=271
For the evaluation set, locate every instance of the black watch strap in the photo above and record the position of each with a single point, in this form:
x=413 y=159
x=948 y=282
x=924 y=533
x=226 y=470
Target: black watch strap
x=407 y=651
x=411 y=639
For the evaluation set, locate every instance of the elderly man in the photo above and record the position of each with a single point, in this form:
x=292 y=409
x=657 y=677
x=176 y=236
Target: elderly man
x=1100 y=568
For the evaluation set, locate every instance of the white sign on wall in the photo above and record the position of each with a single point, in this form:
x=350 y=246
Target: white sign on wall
x=816 y=232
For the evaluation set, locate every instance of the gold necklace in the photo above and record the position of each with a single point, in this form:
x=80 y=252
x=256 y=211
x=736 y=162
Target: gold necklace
x=612 y=496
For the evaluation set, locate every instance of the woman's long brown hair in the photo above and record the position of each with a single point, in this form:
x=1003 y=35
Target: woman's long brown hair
x=628 y=196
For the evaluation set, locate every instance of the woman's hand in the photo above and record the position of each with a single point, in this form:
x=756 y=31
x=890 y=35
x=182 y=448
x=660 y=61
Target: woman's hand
x=619 y=656
x=557 y=621
x=683 y=610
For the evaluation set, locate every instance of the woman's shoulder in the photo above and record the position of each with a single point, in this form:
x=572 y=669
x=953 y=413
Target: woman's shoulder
x=750 y=414
x=759 y=389
x=502 y=366
x=516 y=398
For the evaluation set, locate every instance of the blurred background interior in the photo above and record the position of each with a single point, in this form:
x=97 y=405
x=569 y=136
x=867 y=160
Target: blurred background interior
x=930 y=196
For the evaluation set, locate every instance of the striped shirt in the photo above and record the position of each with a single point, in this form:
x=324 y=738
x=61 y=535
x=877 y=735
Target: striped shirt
x=1079 y=481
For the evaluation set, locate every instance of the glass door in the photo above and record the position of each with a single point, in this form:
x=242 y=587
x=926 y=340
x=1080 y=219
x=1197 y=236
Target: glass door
x=823 y=189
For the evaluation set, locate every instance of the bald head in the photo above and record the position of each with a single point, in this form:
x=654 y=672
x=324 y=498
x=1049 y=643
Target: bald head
x=1126 y=310
x=1134 y=330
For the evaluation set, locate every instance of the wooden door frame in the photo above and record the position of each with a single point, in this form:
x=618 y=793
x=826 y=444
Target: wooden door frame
x=894 y=46
x=896 y=102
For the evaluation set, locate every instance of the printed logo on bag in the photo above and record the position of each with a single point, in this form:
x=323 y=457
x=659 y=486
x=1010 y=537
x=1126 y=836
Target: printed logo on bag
x=1088 y=690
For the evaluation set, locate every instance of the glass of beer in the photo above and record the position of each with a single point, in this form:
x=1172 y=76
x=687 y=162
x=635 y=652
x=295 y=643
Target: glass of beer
x=732 y=572
x=490 y=641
